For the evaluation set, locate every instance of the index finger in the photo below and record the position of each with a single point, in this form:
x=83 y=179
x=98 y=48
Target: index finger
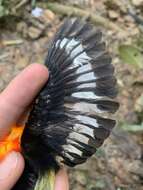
x=19 y=94
x=61 y=181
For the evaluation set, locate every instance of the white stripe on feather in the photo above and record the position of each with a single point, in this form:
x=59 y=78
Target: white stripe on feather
x=85 y=95
x=86 y=77
x=84 y=107
x=88 y=120
x=71 y=148
x=84 y=129
x=81 y=58
x=68 y=156
x=79 y=137
x=86 y=67
x=92 y=85
x=70 y=141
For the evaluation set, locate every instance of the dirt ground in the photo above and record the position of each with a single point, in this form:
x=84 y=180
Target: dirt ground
x=118 y=165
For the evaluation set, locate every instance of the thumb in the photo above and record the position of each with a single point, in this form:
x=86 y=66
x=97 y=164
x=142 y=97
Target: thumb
x=11 y=169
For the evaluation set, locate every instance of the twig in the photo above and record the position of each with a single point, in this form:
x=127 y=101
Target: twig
x=11 y=42
x=132 y=12
x=70 y=10
x=4 y=56
x=19 y=5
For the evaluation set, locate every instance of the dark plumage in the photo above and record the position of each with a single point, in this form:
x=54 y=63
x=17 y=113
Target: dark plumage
x=67 y=120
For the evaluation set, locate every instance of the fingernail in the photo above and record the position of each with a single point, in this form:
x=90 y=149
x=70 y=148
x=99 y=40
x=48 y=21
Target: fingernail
x=8 y=165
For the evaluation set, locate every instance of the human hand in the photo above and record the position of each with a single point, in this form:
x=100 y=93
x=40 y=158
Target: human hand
x=14 y=101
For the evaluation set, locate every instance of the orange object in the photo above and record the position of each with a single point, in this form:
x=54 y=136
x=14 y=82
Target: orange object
x=11 y=142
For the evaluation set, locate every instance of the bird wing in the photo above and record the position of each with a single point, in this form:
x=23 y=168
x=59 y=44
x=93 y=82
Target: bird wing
x=73 y=113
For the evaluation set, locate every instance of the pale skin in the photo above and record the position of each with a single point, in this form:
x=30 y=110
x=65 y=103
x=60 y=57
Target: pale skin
x=14 y=101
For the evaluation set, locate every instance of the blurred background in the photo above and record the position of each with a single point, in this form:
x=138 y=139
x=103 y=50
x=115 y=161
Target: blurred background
x=26 y=27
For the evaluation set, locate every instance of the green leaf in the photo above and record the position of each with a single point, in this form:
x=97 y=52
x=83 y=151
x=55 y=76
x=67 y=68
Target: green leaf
x=1 y=1
x=133 y=128
x=3 y=11
x=131 y=55
x=100 y=152
x=100 y=184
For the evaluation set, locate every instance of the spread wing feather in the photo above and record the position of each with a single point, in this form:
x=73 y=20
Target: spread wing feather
x=68 y=114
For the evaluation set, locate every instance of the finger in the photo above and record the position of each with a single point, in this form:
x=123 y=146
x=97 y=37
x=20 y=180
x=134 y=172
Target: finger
x=10 y=170
x=24 y=117
x=61 y=181
x=19 y=94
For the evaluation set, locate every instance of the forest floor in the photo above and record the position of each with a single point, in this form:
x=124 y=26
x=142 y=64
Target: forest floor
x=118 y=165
